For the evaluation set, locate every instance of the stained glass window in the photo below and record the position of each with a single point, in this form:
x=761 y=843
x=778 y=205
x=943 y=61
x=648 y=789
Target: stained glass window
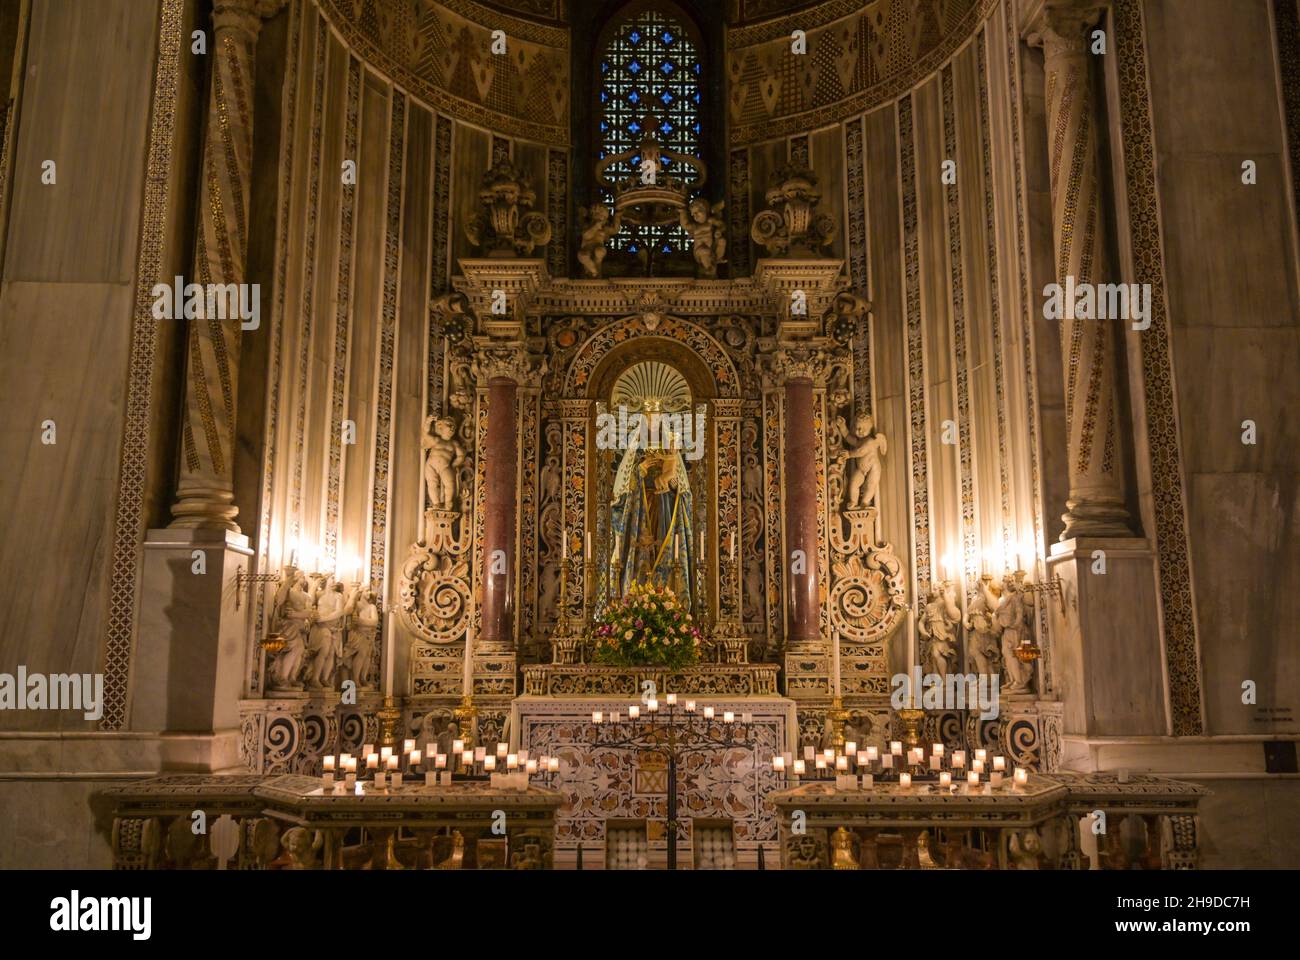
x=649 y=73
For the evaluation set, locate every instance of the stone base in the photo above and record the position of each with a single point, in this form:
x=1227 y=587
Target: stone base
x=1109 y=660
x=192 y=634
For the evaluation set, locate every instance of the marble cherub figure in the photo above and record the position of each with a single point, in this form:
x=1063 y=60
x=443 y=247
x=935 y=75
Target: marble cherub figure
x=863 y=450
x=937 y=624
x=592 y=250
x=708 y=234
x=443 y=456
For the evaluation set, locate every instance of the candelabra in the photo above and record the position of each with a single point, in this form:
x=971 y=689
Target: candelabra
x=672 y=733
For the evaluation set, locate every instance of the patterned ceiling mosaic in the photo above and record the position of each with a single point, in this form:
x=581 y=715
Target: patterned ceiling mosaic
x=858 y=54
x=441 y=52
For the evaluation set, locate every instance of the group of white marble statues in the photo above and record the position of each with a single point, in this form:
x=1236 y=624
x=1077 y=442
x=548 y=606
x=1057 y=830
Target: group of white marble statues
x=996 y=624
x=328 y=633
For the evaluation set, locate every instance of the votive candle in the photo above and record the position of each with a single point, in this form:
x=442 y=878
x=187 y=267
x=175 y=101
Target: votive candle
x=905 y=781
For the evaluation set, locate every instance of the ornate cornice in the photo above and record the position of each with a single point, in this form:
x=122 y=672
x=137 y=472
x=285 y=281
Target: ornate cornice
x=516 y=361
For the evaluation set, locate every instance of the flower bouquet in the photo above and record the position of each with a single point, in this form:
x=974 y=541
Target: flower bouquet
x=648 y=626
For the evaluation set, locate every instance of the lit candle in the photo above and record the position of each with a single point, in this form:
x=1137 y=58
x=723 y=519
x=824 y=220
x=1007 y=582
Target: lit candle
x=690 y=706
x=372 y=761
x=467 y=758
x=778 y=764
x=351 y=766
x=981 y=755
x=530 y=767
x=502 y=750
x=995 y=778
x=873 y=754
x=937 y=750
x=808 y=752
x=973 y=779
x=896 y=747
x=597 y=716
x=672 y=699
x=820 y=764
x=1021 y=776
x=945 y=779
x=523 y=756
x=917 y=756
x=408 y=746
x=458 y=746
x=385 y=753
x=633 y=712
x=842 y=763
x=935 y=760
x=958 y=759
x=392 y=762
x=397 y=779
x=652 y=705
x=553 y=765
x=327 y=765
x=799 y=768
x=430 y=778
x=416 y=757
x=512 y=761
x=440 y=761
x=850 y=747
x=863 y=759
x=708 y=713
x=480 y=753
x=746 y=718
x=613 y=717
x=489 y=763
x=905 y=781
x=1000 y=764
x=887 y=761
x=977 y=766
x=728 y=717
x=367 y=749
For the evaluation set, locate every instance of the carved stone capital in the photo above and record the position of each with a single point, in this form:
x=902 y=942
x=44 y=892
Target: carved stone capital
x=789 y=362
x=243 y=16
x=507 y=361
x=1061 y=27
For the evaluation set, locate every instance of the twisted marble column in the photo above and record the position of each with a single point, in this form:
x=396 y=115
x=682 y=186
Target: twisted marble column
x=205 y=492
x=1095 y=506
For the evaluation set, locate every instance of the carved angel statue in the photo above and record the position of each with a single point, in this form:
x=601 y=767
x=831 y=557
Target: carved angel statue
x=862 y=451
x=708 y=234
x=443 y=455
x=294 y=611
x=1013 y=615
x=363 y=626
x=325 y=640
x=592 y=250
x=300 y=846
x=937 y=623
x=983 y=629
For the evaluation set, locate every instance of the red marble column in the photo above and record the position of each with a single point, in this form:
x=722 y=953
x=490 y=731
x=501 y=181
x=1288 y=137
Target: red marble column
x=802 y=627
x=499 y=471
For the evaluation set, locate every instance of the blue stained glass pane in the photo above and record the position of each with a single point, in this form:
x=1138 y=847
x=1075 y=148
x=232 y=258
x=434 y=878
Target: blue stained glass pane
x=666 y=127
x=666 y=67
x=667 y=248
x=666 y=97
x=631 y=247
x=603 y=126
x=697 y=68
x=634 y=97
x=634 y=127
x=696 y=98
x=695 y=127
x=634 y=67
x=604 y=96
x=635 y=37
x=667 y=37
x=604 y=66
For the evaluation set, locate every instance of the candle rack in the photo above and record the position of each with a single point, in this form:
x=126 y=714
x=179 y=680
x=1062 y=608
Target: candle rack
x=672 y=733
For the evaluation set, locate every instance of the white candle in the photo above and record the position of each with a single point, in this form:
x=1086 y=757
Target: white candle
x=887 y=761
x=379 y=778
x=945 y=779
x=597 y=716
x=489 y=763
x=1021 y=776
x=708 y=713
x=935 y=760
x=981 y=755
x=613 y=717
x=523 y=756
x=868 y=781
x=995 y=778
x=851 y=747
x=799 y=768
x=328 y=778
x=633 y=712
x=553 y=765
x=430 y=778
x=372 y=761
x=959 y=759
x=873 y=754
x=937 y=750
x=977 y=766
x=408 y=746
x=351 y=766
x=416 y=757
x=392 y=762
x=397 y=779
x=690 y=706
x=467 y=758
x=841 y=763
x=746 y=718
x=728 y=717
x=530 y=767
x=512 y=761
x=863 y=759
x=440 y=761
x=385 y=753
x=479 y=754
x=896 y=747
x=672 y=699
x=905 y=781
x=367 y=749
x=349 y=779
x=1000 y=764
x=458 y=746
x=820 y=764
x=652 y=705
x=778 y=764
x=327 y=765
x=973 y=778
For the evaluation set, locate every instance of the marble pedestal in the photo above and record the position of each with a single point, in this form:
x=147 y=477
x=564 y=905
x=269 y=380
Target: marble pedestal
x=189 y=658
x=1109 y=661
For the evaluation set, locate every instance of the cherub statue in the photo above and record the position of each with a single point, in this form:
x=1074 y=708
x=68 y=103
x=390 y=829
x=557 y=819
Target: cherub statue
x=443 y=456
x=294 y=612
x=359 y=650
x=708 y=234
x=301 y=844
x=864 y=446
x=325 y=642
x=937 y=624
x=981 y=622
x=591 y=251
x=1015 y=607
